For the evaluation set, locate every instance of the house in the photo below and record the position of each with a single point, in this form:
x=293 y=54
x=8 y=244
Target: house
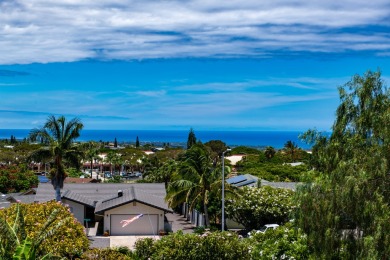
x=109 y=203
x=24 y=197
x=243 y=180
x=248 y=180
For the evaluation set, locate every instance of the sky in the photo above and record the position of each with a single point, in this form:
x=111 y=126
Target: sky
x=206 y=64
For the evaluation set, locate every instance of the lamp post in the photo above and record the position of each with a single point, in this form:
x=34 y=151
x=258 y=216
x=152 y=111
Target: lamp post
x=223 y=189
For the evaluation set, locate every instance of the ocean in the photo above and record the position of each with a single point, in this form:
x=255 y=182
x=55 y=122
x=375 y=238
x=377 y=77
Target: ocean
x=258 y=139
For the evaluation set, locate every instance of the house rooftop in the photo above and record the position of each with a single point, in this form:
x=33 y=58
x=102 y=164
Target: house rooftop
x=103 y=196
x=251 y=181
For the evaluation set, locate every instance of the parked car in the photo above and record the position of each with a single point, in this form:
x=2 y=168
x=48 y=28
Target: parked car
x=263 y=229
x=107 y=175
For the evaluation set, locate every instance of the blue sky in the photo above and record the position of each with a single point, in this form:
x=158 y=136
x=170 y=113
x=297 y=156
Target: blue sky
x=210 y=65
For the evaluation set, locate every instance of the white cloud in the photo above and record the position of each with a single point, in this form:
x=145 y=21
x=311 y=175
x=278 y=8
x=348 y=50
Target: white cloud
x=69 y=30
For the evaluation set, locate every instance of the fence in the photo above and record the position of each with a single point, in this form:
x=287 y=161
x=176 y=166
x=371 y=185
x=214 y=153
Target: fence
x=194 y=216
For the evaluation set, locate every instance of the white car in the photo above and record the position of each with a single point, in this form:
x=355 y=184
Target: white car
x=263 y=229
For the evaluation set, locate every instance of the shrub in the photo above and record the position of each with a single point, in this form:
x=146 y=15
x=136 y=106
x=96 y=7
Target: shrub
x=285 y=242
x=104 y=254
x=16 y=179
x=259 y=206
x=68 y=241
x=215 y=246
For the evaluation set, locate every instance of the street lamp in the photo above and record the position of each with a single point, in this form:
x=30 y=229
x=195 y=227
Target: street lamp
x=223 y=188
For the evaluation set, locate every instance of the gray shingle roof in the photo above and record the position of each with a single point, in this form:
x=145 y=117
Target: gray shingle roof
x=130 y=195
x=284 y=185
x=22 y=198
x=70 y=195
x=93 y=194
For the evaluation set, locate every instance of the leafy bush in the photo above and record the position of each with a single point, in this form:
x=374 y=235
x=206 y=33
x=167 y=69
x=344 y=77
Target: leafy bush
x=276 y=172
x=104 y=254
x=16 y=178
x=73 y=172
x=68 y=241
x=259 y=206
x=215 y=245
x=285 y=242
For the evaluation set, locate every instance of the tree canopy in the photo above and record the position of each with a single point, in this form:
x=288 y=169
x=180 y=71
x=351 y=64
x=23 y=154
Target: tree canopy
x=60 y=136
x=259 y=206
x=191 y=139
x=345 y=211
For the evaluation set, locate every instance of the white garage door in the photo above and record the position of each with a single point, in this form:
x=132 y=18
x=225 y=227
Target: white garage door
x=145 y=225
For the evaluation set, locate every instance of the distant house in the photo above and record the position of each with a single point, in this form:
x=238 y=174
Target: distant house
x=248 y=180
x=243 y=180
x=24 y=197
x=110 y=203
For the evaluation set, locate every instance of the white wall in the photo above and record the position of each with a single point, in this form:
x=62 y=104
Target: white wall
x=130 y=208
x=77 y=209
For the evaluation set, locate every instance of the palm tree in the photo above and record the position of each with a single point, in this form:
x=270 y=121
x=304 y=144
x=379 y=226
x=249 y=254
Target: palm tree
x=60 y=136
x=197 y=176
x=291 y=149
x=269 y=152
x=91 y=152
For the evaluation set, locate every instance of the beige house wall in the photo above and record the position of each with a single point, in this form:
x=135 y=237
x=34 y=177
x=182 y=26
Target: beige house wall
x=77 y=209
x=134 y=208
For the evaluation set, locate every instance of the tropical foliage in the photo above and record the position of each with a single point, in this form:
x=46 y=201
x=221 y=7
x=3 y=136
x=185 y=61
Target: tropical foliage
x=41 y=229
x=215 y=245
x=271 y=171
x=346 y=210
x=198 y=176
x=284 y=242
x=105 y=254
x=59 y=135
x=259 y=206
x=191 y=140
x=16 y=178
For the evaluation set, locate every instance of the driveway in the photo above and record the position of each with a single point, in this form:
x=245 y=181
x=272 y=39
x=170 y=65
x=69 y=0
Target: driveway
x=178 y=222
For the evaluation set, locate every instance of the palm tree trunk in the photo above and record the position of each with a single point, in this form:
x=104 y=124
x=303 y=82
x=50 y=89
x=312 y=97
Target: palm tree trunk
x=58 y=192
x=206 y=215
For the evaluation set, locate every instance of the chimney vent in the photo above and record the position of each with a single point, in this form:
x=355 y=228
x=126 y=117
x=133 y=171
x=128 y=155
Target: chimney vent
x=120 y=193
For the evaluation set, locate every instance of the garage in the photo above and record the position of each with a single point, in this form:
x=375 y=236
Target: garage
x=145 y=225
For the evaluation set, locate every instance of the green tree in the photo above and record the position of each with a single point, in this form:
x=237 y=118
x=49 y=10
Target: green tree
x=112 y=158
x=16 y=178
x=91 y=152
x=60 y=134
x=291 y=149
x=137 y=142
x=191 y=139
x=284 y=242
x=345 y=211
x=216 y=146
x=197 y=176
x=259 y=206
x=163 y=173
x=269 y=152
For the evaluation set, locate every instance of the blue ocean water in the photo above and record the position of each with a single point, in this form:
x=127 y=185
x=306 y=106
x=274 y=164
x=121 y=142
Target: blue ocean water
x=276 y=139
